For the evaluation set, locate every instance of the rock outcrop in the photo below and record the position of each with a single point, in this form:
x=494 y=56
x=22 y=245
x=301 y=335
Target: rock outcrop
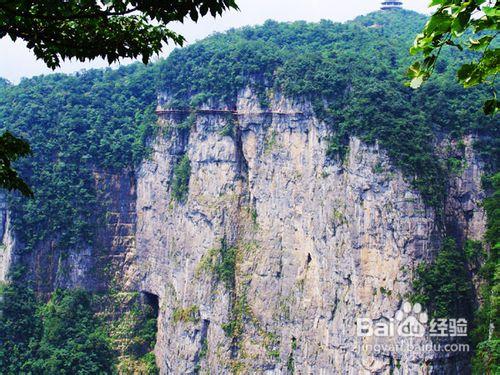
x=7 y=244
x=275 y=253
x=318 y=243
x=96 y=265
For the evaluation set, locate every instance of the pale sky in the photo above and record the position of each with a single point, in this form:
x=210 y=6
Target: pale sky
x=17 y=61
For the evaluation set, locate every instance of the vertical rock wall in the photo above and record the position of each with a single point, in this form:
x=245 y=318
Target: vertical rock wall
x=7 y=240
x=318 y=244
x=96 y=265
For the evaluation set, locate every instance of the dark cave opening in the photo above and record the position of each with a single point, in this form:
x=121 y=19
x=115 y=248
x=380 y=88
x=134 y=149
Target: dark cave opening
x=151 y=300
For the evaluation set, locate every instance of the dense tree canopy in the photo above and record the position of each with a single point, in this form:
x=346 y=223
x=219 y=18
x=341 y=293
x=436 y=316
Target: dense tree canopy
x=75 y=125
x=66 y=335
x=87 y=29
x=447 y=27
x=353 y=74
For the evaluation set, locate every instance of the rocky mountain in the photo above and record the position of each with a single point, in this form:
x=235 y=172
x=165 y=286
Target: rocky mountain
x=250 y=199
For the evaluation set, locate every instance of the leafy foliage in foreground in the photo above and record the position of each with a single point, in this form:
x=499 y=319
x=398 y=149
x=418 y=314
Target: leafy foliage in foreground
x=11 y=149
x=57 y=30
x=446 y=27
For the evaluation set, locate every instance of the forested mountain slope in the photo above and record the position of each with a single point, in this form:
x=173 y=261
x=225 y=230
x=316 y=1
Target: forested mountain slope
x=102 y=167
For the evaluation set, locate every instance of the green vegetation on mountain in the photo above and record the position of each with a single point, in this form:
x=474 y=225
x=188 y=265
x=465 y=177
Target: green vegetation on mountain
x=66 y=335
x=180 y=182
x=76 y=125
x=486 y=334
x=18 y=326
x=61 y=336
x=100 y=120
x=97 y=120
x=353 y=74
x=444 y=286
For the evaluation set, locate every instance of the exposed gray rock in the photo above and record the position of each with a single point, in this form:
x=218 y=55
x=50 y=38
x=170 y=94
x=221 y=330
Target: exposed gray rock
x=7 y=241
x=320 y=243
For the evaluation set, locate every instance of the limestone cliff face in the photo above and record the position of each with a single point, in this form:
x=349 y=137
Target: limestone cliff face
x=94 y=266
x=318 y=244
x=465 y=217
x=315 y=244
x=7 y=241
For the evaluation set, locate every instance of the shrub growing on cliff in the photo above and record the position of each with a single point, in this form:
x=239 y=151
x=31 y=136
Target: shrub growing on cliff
x=73 y=340
x=225 y=269
x=228 y=130
x=189 y=314
x=221 y=262
x=180 y=182
x=133 y=337
x=444 y=286
x=60 y=337
x=487 y=331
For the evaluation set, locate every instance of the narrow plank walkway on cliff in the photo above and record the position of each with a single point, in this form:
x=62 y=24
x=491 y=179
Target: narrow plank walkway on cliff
x=160 y=112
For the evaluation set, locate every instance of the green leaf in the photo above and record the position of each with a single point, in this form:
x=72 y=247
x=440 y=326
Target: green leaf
x=459 y=24
x=492 y=12
x=439 y=23
x=491 y=107
x=436 y=2
x=429 y=63
x=414 y=70
x=11 y=149
x=194 y=15
x=480 y=44
x=465 y=71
